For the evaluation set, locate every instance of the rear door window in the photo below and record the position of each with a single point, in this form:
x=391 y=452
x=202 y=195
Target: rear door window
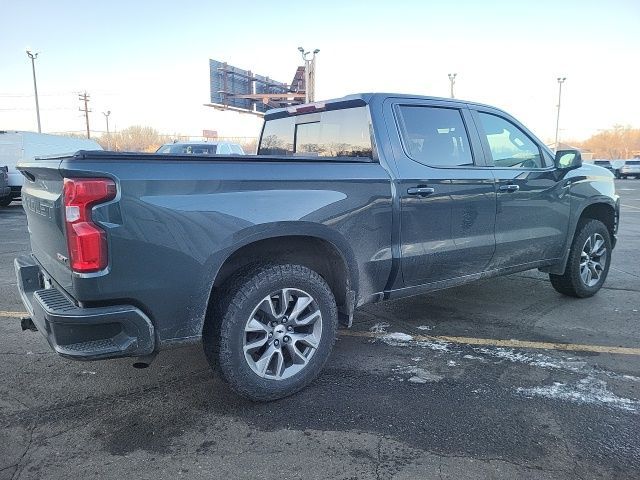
x=434 y=136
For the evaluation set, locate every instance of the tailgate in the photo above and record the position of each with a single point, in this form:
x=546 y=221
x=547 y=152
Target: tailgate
x=43 y=203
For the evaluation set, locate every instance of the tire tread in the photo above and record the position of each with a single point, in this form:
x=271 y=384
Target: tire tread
x=232 y=297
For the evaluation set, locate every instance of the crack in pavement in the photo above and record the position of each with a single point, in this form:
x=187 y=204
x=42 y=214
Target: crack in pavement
x=379 y=459
x=624 y=271
x=489 y=460
x=18 y=465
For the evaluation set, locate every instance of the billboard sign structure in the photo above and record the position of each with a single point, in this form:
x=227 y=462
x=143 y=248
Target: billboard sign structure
x=233 y=88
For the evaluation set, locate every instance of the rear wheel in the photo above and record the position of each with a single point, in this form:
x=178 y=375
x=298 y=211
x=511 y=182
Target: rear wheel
x=273 y=332
x=588 y=263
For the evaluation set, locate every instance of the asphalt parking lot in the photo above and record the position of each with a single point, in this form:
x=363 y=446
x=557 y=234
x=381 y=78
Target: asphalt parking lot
x=503 y=378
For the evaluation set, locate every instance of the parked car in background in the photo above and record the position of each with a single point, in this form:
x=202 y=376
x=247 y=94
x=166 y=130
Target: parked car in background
x=605 y=164
x=631 y=168
x=201 y=148
x=616 y=165
x=17 y=146
x=5 y=189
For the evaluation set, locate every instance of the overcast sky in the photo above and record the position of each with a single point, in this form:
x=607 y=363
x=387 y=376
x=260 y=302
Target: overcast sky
x=147 y=61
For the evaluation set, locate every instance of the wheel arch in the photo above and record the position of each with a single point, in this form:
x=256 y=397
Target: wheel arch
x=323 y=251
x=605 y=210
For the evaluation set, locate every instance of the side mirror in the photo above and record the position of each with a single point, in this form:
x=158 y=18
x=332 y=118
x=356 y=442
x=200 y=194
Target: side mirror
x=568 y=159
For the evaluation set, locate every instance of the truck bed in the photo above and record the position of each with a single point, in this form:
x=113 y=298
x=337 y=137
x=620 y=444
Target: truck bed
x=175 y=218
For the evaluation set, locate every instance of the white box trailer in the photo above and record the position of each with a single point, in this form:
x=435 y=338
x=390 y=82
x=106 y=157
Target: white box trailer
x=16 y=146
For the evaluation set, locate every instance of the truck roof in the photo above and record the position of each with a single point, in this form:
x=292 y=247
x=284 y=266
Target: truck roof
x=362 y=99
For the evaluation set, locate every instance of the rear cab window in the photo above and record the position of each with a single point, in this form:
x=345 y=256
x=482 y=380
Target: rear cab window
x=344 y=133
x=434 y=136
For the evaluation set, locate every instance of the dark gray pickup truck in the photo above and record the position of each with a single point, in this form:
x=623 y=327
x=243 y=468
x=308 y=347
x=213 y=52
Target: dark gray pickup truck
x=348 y=202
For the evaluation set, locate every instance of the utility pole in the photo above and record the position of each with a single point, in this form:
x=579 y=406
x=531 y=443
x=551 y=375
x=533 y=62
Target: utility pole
x=33 y=57
x=309 y=74
x=106 y=117
x=560 y=82
x=452 y=81
x=84 y=97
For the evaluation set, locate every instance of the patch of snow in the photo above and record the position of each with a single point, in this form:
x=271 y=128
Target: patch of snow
x=380 y=327
x=417 y=380
x=87 y=372
x=472 y=357
x=589 y=390
x=437 y=346
x=416 y=359
x=425 y=328
x=419 y=375
x=396 y=337
x=538 y=360
x=451 y=363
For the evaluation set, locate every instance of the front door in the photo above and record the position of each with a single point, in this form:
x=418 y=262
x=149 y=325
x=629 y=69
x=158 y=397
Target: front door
x=447 y=203
x=532 y=209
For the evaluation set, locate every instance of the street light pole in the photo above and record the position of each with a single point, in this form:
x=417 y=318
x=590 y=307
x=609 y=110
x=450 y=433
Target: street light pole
x=560 y=82
x=106 y=117
x=309 y=74
x=33 y=57
x=452 y=81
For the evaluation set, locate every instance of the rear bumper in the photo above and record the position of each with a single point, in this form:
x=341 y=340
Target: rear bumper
x=77 y=332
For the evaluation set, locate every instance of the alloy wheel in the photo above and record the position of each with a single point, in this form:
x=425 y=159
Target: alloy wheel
x=282 y=334
x=593 y=260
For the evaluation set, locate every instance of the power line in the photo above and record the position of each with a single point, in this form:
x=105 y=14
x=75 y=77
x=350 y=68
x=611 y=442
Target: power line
x=25 y=109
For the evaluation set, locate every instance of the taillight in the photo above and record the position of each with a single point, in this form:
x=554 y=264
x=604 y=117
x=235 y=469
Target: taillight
x=86 y=241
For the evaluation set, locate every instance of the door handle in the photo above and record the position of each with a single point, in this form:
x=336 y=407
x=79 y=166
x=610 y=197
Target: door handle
x=509 y=188
x=421 y=191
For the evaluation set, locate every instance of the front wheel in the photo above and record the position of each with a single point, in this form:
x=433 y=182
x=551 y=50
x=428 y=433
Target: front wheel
x=275 y=329
x=588 y=263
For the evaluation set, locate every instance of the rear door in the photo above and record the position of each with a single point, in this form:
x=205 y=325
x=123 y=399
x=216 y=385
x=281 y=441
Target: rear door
x=447 y=202
x=532 y=209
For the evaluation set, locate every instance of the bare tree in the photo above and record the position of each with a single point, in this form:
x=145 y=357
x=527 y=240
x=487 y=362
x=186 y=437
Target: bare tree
x=619 y=142
x=134 y=139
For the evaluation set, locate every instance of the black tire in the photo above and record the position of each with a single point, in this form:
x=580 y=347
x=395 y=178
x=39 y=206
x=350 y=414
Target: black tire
x=571 y=282
x=224 y=334
x=5 y=202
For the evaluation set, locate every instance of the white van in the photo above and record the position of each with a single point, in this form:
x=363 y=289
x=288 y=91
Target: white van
x=16 y=146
